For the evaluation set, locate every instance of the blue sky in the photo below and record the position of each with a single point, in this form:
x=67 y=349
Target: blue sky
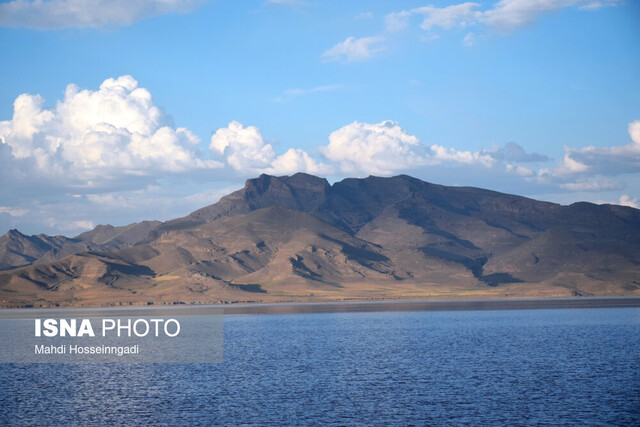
x=176 y=103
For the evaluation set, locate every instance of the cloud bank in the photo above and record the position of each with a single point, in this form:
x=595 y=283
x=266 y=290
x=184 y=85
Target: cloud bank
x=608 y=161
x=113 y=149
x=385 y=148
x=504 y=16
x=95 y=140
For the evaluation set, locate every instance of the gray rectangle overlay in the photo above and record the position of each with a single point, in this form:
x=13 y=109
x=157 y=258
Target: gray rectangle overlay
x=127 y=335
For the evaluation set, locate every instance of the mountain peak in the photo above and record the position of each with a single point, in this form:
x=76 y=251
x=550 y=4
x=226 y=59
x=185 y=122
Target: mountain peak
x=297 y=181
x=300 y=191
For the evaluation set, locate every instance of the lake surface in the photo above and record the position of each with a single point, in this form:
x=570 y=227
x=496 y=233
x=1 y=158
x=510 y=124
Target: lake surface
x=558 y=366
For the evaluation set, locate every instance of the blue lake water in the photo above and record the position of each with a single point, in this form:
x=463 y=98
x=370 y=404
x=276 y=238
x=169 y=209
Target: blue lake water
x=561 y=366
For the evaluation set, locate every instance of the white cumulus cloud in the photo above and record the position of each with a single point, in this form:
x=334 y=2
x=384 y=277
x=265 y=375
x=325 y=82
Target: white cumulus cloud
x=102 y=135
x=380 y=148
x=451 y=154
x=54 y=14
x=570 y=166
x=386 y=148
x=611 y=161
x=626 y=200
x=245 y=150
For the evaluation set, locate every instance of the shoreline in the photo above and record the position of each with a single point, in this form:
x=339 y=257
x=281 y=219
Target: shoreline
x=380 y=306
x=433 y=305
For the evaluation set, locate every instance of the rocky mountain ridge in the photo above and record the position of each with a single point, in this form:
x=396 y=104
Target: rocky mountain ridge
x=298 y=238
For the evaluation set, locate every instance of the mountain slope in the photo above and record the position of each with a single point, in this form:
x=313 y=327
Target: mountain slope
x=19 y=250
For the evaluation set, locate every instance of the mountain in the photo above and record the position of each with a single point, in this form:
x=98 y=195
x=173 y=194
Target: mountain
x=18 y=250
x=297 y=238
